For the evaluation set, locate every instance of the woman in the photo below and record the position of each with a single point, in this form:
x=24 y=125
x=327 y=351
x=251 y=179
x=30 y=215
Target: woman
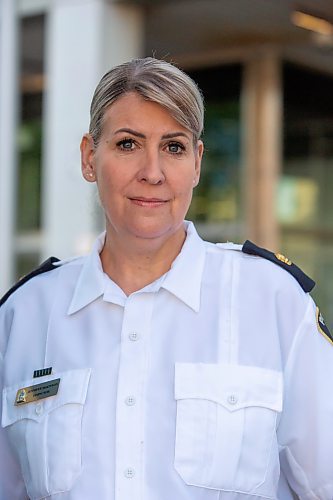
x=161 y=366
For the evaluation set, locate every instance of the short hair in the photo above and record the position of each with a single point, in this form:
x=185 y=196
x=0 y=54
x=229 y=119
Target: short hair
x=155 y=80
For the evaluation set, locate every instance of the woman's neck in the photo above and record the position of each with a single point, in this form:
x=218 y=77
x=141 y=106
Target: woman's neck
x=134 y=263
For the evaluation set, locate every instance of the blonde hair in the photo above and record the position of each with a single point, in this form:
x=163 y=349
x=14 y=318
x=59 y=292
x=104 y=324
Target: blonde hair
x=155 y=80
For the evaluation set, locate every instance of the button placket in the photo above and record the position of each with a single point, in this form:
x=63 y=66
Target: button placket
x=129 y=409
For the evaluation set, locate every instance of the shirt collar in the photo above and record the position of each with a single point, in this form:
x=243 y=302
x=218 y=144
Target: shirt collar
x=91 y=282
x=185 y=275
x=182 y=280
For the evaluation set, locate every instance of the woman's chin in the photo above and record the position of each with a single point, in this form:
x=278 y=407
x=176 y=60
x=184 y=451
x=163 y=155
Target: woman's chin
x=151 y=233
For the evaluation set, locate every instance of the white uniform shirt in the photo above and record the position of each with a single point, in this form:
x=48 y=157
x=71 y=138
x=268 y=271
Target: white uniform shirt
x=212 y=383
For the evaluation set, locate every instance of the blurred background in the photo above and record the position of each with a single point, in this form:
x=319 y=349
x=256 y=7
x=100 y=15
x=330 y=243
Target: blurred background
x=266 y=70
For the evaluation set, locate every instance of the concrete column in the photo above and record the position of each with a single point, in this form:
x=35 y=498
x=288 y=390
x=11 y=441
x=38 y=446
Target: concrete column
x=85 y=38
x=8 y=124
x=262 y=146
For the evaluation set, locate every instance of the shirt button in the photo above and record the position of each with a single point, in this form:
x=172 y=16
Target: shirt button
x=232 y=399
x=129 y=472
x=130 y=401
x=133 y=336
x=39 y=409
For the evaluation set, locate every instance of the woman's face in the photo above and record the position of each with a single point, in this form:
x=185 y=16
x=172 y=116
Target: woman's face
x=145 y=166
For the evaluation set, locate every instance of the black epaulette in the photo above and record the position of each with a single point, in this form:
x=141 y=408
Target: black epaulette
x=47 y=265
x=305 y=281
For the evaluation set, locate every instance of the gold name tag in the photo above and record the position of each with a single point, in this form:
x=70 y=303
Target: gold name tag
x=36 y=392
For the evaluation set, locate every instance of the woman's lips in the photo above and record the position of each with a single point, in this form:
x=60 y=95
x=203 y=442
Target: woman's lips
x=148 y=202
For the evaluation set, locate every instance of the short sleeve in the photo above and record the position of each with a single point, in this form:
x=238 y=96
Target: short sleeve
x=305 y=430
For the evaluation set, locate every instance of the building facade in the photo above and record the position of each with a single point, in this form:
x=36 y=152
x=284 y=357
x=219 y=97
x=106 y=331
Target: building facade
x=266 y=72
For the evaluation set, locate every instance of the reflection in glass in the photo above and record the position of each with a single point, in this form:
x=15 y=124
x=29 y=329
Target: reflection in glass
x=216 y=205
x=305 y=201
x=29 y=145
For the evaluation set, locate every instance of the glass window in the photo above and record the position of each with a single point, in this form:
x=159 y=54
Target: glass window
x=29 y=161
x=216 y=205
x=29 y=141
x=305 y=202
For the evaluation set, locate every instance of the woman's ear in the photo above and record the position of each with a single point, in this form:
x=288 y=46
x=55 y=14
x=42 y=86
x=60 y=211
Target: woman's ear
x=198 y=158
x=87 y=149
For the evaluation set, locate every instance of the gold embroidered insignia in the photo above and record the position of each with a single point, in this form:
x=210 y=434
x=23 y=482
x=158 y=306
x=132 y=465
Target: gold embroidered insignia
x=283 y=259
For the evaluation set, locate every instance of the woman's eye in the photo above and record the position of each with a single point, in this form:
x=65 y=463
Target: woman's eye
x=175 y=148
x=126 y=144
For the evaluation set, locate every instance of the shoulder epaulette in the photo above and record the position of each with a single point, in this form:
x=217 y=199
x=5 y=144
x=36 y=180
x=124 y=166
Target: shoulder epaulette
x=305 y=281
x=47 y=265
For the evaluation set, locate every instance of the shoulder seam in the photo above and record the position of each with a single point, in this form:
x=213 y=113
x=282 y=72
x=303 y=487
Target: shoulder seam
x=306 y=283
x=48 y=265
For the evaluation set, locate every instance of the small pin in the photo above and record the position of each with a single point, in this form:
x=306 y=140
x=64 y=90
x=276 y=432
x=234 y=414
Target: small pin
x=42 y=372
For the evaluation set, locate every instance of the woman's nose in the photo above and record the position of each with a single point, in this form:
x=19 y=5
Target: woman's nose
x=151 y=170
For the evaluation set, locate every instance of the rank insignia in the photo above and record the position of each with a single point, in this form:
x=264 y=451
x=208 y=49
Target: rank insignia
x=322 y=327
x=283 y=259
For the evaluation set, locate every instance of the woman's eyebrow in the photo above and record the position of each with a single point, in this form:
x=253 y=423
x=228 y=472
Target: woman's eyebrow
x=130 y=131
x=170 y=135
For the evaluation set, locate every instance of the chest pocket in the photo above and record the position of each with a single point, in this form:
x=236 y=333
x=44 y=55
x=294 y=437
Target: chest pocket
x=226 y=427
x=46 y=434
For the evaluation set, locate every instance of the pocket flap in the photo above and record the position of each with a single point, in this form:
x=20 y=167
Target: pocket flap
x=72 y=389
x=233 y=386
